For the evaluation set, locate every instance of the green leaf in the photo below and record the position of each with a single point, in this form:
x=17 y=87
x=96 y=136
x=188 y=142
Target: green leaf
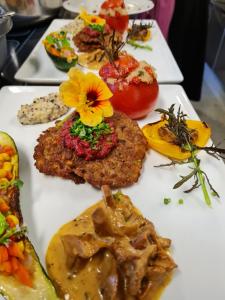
x=18 y=183
x=90 y=134
x=3 y=224
x=65 y=43
x=184 y=179
x=50 y=39
x=97 y=27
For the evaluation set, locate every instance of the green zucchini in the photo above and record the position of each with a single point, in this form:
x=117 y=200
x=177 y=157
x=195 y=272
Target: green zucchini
x=10 y=287
x=61 y=63
x=58 y=48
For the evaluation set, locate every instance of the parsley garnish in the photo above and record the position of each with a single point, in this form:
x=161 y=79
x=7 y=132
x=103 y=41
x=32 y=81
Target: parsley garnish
x=181 y=201
x=3 y=224
x=90 y=134
x=166 y=201
x=97 y=27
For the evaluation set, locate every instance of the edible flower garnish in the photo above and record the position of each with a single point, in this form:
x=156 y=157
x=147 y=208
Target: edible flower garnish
x=89 y=95
x=93 y=21
x=180 y=140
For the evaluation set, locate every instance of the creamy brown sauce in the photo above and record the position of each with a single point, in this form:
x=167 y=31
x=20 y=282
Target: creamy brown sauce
x=84 y=286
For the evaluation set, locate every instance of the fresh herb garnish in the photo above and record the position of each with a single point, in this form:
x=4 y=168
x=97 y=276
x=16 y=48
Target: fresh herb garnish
x=135 y=32
x=18 y=232
x=17 y=183
x=59 y=40
x=6 y=232
x=111 y=46
x=90 y=134
x=3 y=224
x=135 y=29
x=176 y=124
x=166 y=201
x=97 y=27
x=140 y=46
x=181 y=201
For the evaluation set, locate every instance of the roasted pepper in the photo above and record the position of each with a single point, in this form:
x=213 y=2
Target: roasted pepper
x=163 y=146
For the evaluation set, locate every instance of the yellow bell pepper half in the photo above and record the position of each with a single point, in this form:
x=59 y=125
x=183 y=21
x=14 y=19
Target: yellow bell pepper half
x=170 y=150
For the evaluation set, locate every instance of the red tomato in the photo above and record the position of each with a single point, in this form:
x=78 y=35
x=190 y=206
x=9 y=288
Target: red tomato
x=121 y=68
x=112 y=4
x=118 y=23
x=136 y=100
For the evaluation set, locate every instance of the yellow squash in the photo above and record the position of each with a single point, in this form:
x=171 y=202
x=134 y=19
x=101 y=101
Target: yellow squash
x=151 y=132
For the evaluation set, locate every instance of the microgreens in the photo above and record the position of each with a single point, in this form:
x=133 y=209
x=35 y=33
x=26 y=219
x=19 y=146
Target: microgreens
x=17 y=183
x=6 y=232
x=90 y=134
x=166 y=201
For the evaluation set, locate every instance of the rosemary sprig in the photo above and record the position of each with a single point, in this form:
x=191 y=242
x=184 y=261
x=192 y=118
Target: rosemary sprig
x=183 y=137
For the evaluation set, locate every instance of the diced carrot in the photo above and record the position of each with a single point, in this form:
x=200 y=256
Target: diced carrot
x=23 y=275
x=3 y=254
x=9 y=175
x=12 y=220
x=15 y=264
x=14 y=249
x=9 y=150
x=54 y=51
x=4 y=207
x=6 y=267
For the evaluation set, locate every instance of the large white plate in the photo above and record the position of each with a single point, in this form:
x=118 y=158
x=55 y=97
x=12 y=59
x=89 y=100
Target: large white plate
x=197 y=231
x=93 y=6
x=38 y=67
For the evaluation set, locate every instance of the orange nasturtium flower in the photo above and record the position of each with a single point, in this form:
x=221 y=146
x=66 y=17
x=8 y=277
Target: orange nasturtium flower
x=91 y=19
x=89 y=95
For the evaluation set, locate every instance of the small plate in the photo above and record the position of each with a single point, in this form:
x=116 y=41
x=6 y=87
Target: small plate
x=38 y=67
x=133 y=6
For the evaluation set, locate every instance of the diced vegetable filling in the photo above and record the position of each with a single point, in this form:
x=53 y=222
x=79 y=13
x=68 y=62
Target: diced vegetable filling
x=13 y=256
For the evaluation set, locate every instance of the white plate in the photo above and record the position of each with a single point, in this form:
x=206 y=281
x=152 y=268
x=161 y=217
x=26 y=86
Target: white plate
x=197 y=232
x=93 y=6
x=38 y=67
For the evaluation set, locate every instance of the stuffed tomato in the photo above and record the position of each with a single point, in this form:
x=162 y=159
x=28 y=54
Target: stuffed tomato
x=115 y=14
x=133 y=84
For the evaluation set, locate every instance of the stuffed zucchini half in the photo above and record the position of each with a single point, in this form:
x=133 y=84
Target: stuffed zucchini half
x=58 y=48
x=21 y=275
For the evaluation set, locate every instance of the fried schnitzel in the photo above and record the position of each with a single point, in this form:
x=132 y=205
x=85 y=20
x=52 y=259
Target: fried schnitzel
x=120 y=168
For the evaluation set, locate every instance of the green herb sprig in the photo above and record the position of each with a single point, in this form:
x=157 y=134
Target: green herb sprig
x=6 y=232
x=176 y=124
x=17 y=183
x=137 y=45
x=134 y=32
x=90 y=134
